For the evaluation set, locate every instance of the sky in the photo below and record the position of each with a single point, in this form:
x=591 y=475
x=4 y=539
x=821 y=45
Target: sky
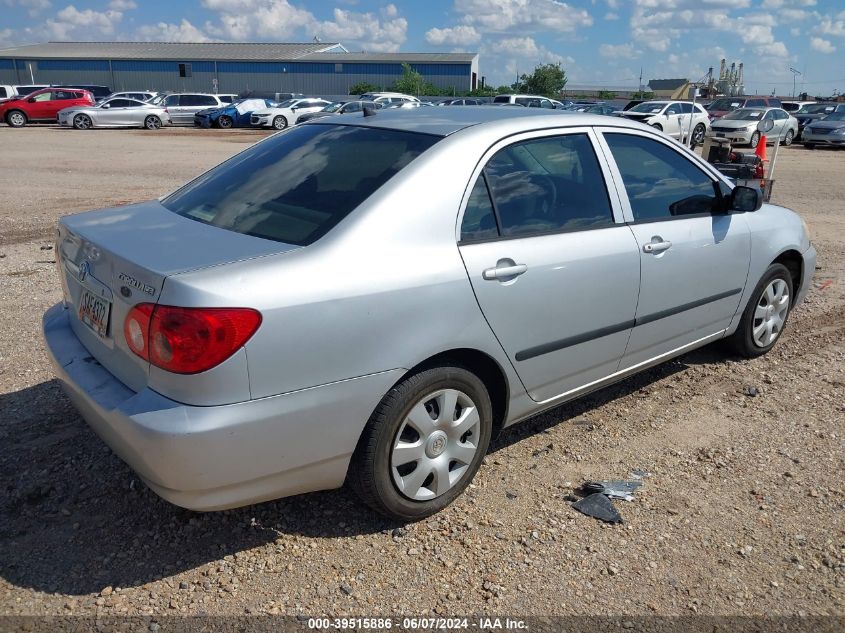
x=600 y=43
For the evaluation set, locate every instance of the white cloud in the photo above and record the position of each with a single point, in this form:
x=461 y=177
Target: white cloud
x=829 y=26
x=33 y=7
x=511 y=16
x=366 y=30
x=122 y=5
x=71 y=23
x=166 y=32
x=618 y=51
x=779 y=4
x=822 y=45
x=610 y=16
x=453 y=36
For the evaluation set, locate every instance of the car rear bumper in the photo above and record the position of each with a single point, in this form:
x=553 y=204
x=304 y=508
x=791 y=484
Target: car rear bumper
x=212 y=458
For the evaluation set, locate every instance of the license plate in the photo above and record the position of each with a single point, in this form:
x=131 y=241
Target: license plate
x=94 y=312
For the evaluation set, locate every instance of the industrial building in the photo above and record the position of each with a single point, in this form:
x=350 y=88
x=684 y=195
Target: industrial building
x=317 y=68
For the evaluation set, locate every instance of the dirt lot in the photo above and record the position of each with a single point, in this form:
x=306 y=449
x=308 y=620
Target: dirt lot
x=743 y=511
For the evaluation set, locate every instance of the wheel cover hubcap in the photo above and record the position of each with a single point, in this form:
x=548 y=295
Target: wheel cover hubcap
x=770 y=313
x=435 y=445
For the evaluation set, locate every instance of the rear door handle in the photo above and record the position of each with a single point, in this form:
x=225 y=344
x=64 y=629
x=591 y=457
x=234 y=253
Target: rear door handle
x=504 y=272
x=657 y=247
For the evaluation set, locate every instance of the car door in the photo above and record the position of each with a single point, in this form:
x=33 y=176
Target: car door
x=694 y=257
x=672 y=120
x=42 y=106
x=114 y=114
x=554 y=269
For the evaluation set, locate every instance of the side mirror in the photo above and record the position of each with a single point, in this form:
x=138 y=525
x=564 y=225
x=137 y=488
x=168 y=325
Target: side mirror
x=765 y=125
x=294 y=109
x=31 y=100
x=746 y=199
x=106 y=106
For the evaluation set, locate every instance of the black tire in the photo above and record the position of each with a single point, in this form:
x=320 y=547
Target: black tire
x=16 y=118
x=82 y=122
x=152 y=122
x=280 y=122
x=698 y=133
x=790 y=136
x=755 y=140
x=809 y=146
x=225 y=122
x=742 y=341
x=370 y=472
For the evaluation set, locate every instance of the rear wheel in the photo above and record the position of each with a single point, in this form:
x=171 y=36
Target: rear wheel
x=790 y=136
x=82 y=122
x=225 y=122
x=765 y=316
x=16 y=118
x=152 y=122
x=698 y=134
x=423 y=444
x=280 y=123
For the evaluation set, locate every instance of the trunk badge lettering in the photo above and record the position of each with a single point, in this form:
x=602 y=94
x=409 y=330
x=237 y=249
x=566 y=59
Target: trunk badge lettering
x=131 y=281
x=84 y=269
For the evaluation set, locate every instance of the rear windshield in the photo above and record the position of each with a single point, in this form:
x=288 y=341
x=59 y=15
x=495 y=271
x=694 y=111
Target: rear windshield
x=295 y=186
x=720 y=105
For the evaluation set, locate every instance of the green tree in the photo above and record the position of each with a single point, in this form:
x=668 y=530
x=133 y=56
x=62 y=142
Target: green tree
x=361 y=87
x=606 y=95
x=413 y=83
x=547 y=79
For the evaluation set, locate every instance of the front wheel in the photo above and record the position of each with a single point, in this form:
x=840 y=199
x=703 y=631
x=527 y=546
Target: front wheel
x=280 y=123
x=755 y=140
x=82 y=122
x=698 y=134
x=423 y=444
x=225 y=122
x=790 y=136
x=152 y=122
x=16 y=118
x=765 y=316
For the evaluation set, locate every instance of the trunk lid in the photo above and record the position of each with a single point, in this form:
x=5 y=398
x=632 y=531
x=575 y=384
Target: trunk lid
x=113 y=259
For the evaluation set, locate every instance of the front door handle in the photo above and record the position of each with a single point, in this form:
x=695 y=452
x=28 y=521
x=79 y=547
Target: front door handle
x=505 y=270
x=657 y=245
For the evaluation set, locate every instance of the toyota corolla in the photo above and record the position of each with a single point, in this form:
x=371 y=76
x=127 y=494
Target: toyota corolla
x=369 y=299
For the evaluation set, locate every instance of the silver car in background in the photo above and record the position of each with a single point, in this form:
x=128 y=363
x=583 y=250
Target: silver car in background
x=740 y=126
x=117 y=112
x=299 y=317
x=829 y=132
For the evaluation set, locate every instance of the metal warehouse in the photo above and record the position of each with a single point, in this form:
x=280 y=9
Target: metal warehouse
x=311 y=68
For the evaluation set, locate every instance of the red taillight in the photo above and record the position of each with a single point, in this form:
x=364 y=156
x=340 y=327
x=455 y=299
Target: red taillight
x=188 y=340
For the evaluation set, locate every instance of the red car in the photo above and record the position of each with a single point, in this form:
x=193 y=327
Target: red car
x=42 y=105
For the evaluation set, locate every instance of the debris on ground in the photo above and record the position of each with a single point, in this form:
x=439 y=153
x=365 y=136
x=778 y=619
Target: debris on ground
x=598 y=506
x=615 y=489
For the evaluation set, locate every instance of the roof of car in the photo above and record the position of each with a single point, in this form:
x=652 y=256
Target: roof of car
x=446 y=121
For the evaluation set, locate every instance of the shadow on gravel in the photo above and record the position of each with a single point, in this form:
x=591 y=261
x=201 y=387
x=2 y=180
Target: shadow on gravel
x=74 y=519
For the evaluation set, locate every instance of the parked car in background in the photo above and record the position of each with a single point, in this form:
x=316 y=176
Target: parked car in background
x=286 y=113
x=793 y=106
x=631 y=104
x=183 y=106
x=11 y=91
x=460 y=102
x=603 y=109
x=814 y=112
x=235 y=114
x=560 y=105
x=408 y=105
x=532 y=101
x=672 y=117
x=740 y=126
x=226 y=97
x=143 y=95
x=42 y=105
x=720 y=107
x=117 y=112
x=386 y=98
x=341 y=107
x=276 y=327
x=826 y=132
x=99 y=92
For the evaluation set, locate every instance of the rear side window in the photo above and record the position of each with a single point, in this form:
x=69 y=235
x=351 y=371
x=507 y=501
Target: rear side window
x=3 y=93
x=479 y=221
x=547 y=185
x=502 y=99
x=659 y=181
x=295 y=186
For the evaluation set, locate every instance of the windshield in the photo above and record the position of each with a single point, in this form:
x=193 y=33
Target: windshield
x=332 y=107
x=744 y=114
x=287 y=103
x=651 y=108
x=295 y=186
x=836 y=116
x=817 y=108
x=725 y=104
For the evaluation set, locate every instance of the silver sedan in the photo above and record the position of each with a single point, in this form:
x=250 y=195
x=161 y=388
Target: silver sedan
x=826 y=132
x=370 y=299
x=740 y=126
x=117 y=112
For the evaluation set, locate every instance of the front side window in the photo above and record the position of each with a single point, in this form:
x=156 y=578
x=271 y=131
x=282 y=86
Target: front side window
x=659 y=181
x=295 y=186
x=44 y=96
x=171 y=101
x=547 y=185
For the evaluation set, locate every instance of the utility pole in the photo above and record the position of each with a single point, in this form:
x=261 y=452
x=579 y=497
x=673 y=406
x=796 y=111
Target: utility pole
x=640 y=86
x=795 y=74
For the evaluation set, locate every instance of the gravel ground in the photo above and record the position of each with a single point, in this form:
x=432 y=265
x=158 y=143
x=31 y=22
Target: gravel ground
x=743 y=511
